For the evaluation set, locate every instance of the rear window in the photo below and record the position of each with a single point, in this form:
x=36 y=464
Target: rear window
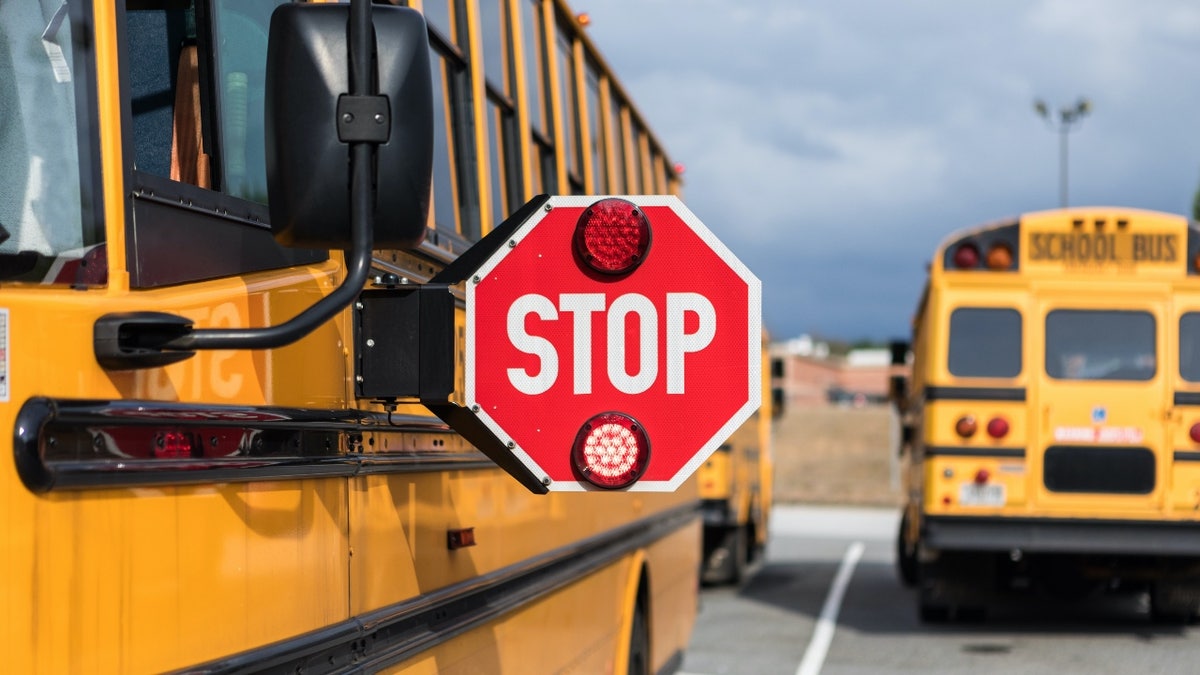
x=985 y=342
x=1100 y=345
x=1189 y=346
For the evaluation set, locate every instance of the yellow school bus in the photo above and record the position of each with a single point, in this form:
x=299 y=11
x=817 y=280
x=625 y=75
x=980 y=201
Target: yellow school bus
x=210 y=468
x=1052 y=426
x=735 y=492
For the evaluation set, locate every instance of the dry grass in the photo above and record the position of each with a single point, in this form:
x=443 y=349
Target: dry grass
x=835 y=456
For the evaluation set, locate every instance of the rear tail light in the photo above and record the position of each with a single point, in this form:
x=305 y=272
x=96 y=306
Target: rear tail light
x=997 y=427
x=966 y=426
x=966 y=256
x=1194 y=432
x=172 y=445
x=982 y=476
x=611 y=450
x=999 y=257
x=612 y=236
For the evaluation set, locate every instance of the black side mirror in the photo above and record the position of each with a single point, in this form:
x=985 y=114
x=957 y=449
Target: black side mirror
x=349 y=140
x=310 y=119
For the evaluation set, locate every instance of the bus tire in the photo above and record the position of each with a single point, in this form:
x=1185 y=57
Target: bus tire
x=639 y=642
x=726 y=562
x=930 y=613
x=1172 y=604
x=739 y=554
x=906 y=556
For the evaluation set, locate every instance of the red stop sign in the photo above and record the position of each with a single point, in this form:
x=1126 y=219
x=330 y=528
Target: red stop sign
x=674 y=344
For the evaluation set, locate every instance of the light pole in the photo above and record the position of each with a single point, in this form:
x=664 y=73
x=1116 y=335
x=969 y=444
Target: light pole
x=1067 y=118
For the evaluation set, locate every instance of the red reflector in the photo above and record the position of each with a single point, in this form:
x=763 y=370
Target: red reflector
x=1194 y=432
x=965 y=426
x=611 y=450
x=461 y=538
x=172 y=445
x=981 y=477
x=997 y=427
x=966 y=257
x=612 y=236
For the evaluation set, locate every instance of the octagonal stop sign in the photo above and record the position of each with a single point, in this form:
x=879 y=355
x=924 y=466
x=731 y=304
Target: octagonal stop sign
x=611 y=342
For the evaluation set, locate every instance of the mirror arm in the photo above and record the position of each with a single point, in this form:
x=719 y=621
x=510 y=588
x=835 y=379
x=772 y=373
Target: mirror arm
x=358 y=265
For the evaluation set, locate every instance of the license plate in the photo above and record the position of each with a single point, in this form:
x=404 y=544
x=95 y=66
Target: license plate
x=974 y=494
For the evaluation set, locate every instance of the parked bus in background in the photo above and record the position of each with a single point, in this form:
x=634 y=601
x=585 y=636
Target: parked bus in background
x=190 y=493
x=1052 y=424
x=735 y=493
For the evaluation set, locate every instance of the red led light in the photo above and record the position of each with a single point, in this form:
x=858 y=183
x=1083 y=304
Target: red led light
x=997 y=427
x=1194 y=432
x=966 y=256
x=612 y=236
x=966 y=426
x=611 y=450
x=172 y=445
x=982 y=476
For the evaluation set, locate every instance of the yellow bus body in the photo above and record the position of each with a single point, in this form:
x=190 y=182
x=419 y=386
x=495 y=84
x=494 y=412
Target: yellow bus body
x=735 y=485
x=1026 y=465
x=399 y=548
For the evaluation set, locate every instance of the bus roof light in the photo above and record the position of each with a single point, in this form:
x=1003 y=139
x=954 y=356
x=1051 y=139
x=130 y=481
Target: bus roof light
x=999 y=257
x=611 y=450
x=966 y=256
x=612 y=236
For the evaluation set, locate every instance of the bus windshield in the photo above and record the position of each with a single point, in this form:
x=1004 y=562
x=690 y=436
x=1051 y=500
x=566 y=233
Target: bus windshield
x=1100 y=345
x=40 y=203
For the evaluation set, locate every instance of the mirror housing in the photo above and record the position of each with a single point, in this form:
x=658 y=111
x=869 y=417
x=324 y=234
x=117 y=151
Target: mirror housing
x=308 y=167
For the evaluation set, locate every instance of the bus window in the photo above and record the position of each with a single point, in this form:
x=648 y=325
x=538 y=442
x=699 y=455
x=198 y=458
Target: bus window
x=40 y=213
x=1100 y=345
x=240 y=42
x=985 y=342
x=1189 y=346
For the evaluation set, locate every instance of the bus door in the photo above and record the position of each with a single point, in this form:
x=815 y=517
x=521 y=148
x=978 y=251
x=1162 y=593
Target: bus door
x=1101 y=444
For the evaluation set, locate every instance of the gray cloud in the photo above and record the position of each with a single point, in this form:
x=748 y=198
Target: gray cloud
x=833 y=143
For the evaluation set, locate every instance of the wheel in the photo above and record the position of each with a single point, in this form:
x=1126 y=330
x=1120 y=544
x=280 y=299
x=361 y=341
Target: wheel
x=739 y=554
x=933 y=613
x=639 y=643
x=726 y=562
x=1172 y=604
x=906 y=556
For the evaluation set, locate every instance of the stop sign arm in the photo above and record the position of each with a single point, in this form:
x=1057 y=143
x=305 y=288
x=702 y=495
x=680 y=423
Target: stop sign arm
x=473 y=258
x=462 y=420
x=476 y=432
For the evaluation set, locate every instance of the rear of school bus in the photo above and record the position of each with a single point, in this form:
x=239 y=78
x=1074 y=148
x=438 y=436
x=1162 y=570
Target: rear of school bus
x=735 y=491
x=1051 y=412
x=243 y=509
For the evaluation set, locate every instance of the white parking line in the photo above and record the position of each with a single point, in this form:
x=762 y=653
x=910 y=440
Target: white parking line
x=818 y=647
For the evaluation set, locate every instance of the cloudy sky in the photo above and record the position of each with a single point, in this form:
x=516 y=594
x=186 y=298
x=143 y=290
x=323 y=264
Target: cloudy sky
x=832 y=144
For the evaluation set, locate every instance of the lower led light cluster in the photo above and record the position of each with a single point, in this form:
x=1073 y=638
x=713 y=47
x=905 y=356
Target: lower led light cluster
x=611 y=450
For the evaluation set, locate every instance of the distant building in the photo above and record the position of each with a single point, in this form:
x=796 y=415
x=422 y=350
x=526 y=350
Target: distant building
x=805 y=374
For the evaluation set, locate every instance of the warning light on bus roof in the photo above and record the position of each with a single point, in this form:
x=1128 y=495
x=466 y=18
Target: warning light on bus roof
x=966 y=256
x=999 y=257
x=611 y=450
x=612 y=236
